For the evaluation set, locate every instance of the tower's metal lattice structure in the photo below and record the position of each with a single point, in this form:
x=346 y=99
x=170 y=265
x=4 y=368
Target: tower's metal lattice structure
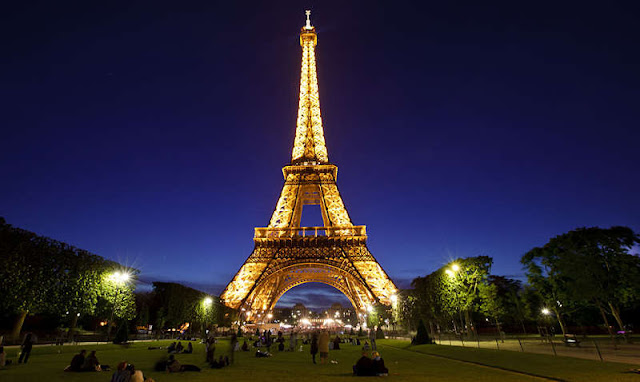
x=286 y=255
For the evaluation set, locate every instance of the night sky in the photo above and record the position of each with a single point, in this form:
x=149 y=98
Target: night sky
x=154 y=133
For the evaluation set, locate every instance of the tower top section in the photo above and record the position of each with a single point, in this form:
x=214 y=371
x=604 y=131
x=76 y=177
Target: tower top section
x=309 y=147
x=308 y=26
x=308 y=31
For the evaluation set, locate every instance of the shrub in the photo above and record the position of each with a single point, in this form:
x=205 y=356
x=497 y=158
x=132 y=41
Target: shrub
x=422 y=336
x=122 y=335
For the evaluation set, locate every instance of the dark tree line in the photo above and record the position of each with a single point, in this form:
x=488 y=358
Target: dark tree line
x=51 y=279
x=45 y=276
x=172 y=305
x=588 y=276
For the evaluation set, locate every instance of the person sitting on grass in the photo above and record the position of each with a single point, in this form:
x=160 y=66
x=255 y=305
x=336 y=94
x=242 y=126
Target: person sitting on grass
x=76 y=362
x=91 y=363
x=171 y=348
x=179 y=348
x=245 y=346
x=135 y=375
x=217 y=364
x=121 y=374
x=189 y=349
x=364 y=366
x=3 y=358
x=378 y=365
x=220 y=363
x=173 y=366
x=366 y=346
x=336 y=343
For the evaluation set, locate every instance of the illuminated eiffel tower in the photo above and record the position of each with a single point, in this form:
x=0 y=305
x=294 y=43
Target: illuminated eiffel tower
x=286 y=255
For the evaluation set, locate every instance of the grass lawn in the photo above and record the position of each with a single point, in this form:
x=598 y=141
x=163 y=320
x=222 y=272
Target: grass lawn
x=405 y=363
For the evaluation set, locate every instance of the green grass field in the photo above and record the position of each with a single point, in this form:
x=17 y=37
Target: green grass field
x=405 y=363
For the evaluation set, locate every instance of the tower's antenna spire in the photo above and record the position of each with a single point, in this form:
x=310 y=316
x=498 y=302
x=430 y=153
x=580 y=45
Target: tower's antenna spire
x=308 y=26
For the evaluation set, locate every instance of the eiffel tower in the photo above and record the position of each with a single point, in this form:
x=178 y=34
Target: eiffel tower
x=287 y=255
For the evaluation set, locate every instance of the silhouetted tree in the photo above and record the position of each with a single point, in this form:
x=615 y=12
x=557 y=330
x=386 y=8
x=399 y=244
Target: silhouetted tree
x=422 y=336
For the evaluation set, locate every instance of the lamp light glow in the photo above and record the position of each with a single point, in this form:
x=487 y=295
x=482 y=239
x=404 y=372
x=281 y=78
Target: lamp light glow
x=120 y=278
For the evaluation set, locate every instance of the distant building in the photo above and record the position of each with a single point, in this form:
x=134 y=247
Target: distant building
x=345 y=315
x=300 y=311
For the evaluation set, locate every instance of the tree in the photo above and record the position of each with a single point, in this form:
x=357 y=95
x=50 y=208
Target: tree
x=116 y=297
x=378 y=314
x=428 y=301
x=547 y=283
x=453 y=290
x=591 y=265
x=422 y=336
x=42 y=275
x=122 y=334
x=180 y=304
x=491 y=304
x=462 y=287
x=499 y=300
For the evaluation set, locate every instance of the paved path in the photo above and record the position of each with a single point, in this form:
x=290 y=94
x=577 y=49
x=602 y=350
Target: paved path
x=625 y=353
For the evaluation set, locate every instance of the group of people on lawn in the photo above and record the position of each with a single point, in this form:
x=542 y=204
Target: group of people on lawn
x=125 y=372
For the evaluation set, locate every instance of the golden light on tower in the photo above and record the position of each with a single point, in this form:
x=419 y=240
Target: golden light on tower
x=285 y=254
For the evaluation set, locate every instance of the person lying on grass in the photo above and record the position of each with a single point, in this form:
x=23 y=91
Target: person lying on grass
x=173 y=366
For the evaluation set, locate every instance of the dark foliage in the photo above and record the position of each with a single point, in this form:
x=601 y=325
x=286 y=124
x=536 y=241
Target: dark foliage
x=422 y=336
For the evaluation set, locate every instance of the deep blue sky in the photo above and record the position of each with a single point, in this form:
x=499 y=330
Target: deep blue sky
x=153 y=133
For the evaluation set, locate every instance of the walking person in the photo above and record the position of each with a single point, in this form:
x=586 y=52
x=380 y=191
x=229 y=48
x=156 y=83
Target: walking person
x=232 y=347
x=267 y=340
x=323 y=346
x=26 y=346
x=210 y=349
x=314 y=346
x=372 y=338
x=292 y=341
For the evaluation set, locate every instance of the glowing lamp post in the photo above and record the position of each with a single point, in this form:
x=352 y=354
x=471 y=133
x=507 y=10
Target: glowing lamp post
x=118 y=279
x=452 y=273
x=207 y=302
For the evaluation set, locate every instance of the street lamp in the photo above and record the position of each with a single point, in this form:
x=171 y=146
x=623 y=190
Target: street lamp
x=546 y=311
x=118 y=278
x=452 y=273
x=206 y=302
